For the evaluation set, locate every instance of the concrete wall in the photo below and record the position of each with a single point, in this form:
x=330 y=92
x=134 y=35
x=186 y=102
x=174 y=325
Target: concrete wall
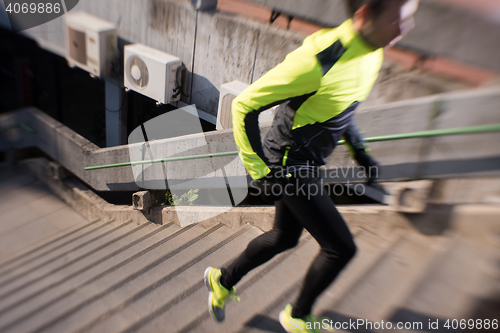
x=325 y=12
x=408 y=159
x=441 y=28
x=435 y=157
x=225 y=50
x=218 y=48
x=450 y=31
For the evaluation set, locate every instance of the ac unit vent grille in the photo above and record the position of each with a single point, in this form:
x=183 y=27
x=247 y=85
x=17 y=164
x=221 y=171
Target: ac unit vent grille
x=138 y=72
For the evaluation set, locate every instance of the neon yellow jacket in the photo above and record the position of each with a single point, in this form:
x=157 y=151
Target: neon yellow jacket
x=319 y=85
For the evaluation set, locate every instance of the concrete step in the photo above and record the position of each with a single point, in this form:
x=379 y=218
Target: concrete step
x=271 y=293
x=381 y=288
x=27 y=218
x=107 y=276
x=364 y=290
x=462 y=283
x=66 y=238
x=87 y=303
x=25 y=208
x=258 y=288
x=152 y=308
x=370 y=250
x=29 y=213
x=21 y=189
x=59 y=286
x=62 y=287
x=65 y=289
x=24 y=276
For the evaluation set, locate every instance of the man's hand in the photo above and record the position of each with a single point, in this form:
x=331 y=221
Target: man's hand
x=371 y=167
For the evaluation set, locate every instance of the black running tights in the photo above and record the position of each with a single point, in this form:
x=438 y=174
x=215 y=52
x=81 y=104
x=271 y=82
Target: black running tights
x=307 y=206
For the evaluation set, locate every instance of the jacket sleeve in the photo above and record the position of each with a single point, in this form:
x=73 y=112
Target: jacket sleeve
x=354 y=139
x=296 y=76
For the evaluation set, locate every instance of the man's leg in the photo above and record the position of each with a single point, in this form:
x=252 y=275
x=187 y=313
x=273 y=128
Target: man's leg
x=318 y=214
x=284 y=235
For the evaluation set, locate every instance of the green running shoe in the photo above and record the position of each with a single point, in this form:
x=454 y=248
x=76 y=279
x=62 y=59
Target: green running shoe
x=218 y=294
x=308 y=324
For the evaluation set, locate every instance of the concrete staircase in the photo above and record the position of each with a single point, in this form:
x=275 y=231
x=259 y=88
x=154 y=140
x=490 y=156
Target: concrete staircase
x=29 y=212
x=105 y=276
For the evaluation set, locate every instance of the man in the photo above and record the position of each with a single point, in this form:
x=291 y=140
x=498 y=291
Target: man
x=318 y=87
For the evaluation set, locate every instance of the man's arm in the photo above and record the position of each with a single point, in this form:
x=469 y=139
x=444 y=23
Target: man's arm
x=354 y=138
x=359 y=151
x=293 y=77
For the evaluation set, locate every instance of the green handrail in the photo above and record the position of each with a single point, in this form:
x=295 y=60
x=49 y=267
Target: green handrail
x=413 y=135
x=171 y=159
x=21 y=125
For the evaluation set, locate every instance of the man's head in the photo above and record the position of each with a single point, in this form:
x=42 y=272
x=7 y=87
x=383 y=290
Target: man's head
x=382 y=22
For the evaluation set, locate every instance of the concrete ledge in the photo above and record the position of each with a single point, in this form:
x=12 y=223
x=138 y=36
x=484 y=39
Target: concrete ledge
x=463 y=191
x=479 y=222
x=58 y=171
x=81 y=198
x=476 y=155
x=378 y=220
x=145 y=200
x=409 y=197
x=92 y=207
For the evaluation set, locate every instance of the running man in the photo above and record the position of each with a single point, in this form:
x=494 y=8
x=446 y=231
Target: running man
x=318 y=87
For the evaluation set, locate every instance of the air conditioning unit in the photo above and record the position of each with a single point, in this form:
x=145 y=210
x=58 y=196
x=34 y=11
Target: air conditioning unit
x=228 y=92
x=90 y=43
x=153 y=73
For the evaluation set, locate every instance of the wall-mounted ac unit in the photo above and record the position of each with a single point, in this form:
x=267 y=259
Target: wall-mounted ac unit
x=153 y=73
x=228 y=92
x=90 y=43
